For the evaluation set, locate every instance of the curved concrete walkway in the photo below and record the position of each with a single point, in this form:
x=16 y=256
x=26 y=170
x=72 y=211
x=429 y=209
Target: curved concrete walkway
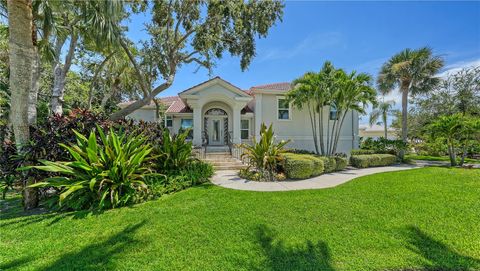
x=230 y=179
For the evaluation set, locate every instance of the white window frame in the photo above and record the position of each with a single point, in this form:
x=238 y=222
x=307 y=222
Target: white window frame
x=167 y=118
x=289 y=109
x=243 y=129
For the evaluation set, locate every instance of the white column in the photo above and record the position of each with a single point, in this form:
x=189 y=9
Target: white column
x=258 y=114
x=197 y=124
x=236 y=124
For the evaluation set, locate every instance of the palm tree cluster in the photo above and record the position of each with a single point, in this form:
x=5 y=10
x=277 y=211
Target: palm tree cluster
x=328 y=89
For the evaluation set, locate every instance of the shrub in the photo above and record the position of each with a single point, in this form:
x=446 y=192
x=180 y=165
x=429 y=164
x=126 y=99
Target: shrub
x=265 y=155
x=298 y=166
x=340 y=163
x=382 y=145
x=361 y=151
x=318 y=164
x=101 y=176
x=372 y=160
x=329 y=163
x=194 y=173
x=175 y=152
x=300 y=151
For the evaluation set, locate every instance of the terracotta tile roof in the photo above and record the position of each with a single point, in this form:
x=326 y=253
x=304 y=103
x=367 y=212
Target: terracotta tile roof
x=177 y=105
x=283 y=86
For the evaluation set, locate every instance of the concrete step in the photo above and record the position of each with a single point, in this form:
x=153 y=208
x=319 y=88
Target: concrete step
x=230 y=167
x=226 y=163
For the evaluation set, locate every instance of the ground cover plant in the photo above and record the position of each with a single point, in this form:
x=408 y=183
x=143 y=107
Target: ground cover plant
x=405 y=220
x=439 y=158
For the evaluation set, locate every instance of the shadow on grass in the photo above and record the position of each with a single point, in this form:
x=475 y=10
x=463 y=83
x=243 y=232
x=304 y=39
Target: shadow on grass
x=438 y=255
x=282 y=257
x=97 y=256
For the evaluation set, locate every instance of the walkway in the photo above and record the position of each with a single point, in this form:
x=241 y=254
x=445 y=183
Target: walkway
x=230 y=179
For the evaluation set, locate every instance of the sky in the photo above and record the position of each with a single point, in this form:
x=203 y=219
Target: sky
x=358 y=36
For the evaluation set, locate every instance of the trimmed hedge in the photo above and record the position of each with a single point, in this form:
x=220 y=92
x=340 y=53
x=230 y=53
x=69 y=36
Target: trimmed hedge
x=372 y=160
x=318 y=165
x=330 y=163
x=298 y=166
x=340 y=163
x=361 y=152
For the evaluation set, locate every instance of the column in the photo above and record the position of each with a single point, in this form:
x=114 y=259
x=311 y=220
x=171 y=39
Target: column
x=197 y=124
x=258 y=114
x=236 y=124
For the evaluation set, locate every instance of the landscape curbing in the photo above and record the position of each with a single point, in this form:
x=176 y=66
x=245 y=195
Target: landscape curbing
x=230 y=179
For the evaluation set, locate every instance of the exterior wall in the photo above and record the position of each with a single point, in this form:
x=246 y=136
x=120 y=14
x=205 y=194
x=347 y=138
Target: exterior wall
x=298 y=128
x=144 y=114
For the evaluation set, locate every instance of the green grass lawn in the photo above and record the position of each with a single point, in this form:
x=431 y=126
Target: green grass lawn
x=438 y=158
x=420 y=219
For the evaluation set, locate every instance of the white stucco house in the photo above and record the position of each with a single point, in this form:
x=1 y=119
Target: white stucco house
x=218 y=111
x=376 y=131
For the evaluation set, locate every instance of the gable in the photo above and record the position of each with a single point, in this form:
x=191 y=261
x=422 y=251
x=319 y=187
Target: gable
x=213 y=86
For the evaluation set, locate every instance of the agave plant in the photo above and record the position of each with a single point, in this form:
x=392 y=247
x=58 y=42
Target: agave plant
x=265 y=154
x=101 y=176
x=175 y=152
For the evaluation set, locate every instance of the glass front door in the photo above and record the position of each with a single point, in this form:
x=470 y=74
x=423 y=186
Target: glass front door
x=216 y=132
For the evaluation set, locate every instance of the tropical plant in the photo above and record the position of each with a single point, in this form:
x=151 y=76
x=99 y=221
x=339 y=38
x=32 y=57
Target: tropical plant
x=265 y=154
x=101 y=176
x=175 y=152
x=346 y=92
x=382 y=110
x=413 y=72
x=458 y=132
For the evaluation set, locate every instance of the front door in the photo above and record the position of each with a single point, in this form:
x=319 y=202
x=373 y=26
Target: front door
x=216 y=132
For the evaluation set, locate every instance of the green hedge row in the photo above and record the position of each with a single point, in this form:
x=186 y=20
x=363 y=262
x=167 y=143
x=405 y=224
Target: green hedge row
x=372 y=160
x=361 y=152
x=302 y=166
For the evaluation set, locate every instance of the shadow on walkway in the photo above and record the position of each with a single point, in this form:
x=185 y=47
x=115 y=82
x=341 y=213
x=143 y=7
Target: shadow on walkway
x=303 y=257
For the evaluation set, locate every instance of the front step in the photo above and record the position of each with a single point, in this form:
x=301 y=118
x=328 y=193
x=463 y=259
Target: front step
x=223 y=160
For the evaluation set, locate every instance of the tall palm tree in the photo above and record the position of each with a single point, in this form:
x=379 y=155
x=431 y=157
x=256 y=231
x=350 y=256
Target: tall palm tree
x=21 y=57
x=382 y=110
x=412 y=71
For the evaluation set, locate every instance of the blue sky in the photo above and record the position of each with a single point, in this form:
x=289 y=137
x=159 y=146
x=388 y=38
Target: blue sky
x=353 y=35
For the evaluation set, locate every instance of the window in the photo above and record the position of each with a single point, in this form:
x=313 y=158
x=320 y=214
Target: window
x=244 y=129
x=283 y=109
x=333 y=112
x=186 y=124
x=168 y=121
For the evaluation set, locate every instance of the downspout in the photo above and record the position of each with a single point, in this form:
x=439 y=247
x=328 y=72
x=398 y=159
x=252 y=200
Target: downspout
x=353 y=132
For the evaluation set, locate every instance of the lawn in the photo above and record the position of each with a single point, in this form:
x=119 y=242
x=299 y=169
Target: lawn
x=422 y=218
x=439 y=158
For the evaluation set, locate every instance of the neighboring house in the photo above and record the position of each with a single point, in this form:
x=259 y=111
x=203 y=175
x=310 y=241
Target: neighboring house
x=220 y=111
x=376 y=131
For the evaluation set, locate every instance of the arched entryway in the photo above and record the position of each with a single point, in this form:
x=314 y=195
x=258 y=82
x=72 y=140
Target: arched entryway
x=215 y=126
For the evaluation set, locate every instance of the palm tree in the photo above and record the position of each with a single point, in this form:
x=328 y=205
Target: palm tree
x=413 y=72
x=382 y=110
x=21 y=57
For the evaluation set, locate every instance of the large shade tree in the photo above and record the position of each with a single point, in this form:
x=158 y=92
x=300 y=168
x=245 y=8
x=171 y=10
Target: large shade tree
x=412 y=72
x=199 y=32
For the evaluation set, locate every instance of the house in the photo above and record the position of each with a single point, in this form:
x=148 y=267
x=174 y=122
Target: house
x=219 y=112
x=376 y=131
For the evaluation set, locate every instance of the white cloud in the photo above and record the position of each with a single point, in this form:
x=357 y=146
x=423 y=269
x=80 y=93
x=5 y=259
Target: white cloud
x=309 y=44
x=458 y=66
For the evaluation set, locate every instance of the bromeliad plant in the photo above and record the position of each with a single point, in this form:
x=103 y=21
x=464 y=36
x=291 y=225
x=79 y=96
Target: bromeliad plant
x=101 y=175
x=265 y=154
x=175 y=152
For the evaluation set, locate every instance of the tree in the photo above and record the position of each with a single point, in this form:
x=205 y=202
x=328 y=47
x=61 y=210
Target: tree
x=345 y=92
x=184 y=32
x=382 y=110
x=21 y=56
x=413 y=72
x=458 y=131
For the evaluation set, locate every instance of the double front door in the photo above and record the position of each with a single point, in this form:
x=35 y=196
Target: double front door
x=216 y=131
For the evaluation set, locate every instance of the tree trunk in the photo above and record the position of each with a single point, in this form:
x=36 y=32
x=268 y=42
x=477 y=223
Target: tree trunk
x=404 y=119
x=384 y=115
x=21 y=55
x=59 y=75
x=93 y=84
x=140 y=103
x=33 y=93
x=451 y=153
